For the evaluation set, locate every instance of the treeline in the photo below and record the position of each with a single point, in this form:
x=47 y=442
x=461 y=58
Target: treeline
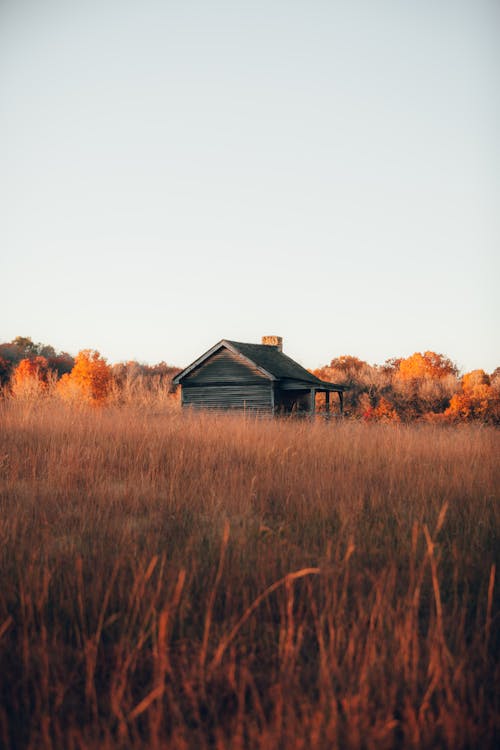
x=424 y=387
x=29 y=371
x=23 y=348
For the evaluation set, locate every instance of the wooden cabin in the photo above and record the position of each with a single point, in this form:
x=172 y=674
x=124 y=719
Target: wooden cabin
x=255 y=378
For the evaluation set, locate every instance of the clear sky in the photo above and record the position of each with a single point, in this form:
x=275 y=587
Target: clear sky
x=174 y=173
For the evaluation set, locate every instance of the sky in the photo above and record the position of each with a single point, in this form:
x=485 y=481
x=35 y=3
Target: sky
x=175 y=173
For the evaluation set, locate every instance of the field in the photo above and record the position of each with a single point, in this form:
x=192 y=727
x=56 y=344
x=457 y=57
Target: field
x=189 y=582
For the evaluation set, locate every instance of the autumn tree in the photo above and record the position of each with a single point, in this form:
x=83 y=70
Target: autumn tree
x=429 y=364
x=25 y=346
x=22 y=347
x=477 y=399
x=347 y=364
x=402 y=388
x=90 y=379
x=31 y=378
x=365 y=382
x=422 y=384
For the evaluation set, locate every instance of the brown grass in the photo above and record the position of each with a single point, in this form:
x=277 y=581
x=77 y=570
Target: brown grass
x=175 y=581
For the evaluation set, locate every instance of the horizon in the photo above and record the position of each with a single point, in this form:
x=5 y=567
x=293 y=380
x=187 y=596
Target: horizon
x=173 y=174
x=170 y=363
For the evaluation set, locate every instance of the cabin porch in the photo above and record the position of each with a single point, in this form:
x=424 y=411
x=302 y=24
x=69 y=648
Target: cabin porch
x=302 y=400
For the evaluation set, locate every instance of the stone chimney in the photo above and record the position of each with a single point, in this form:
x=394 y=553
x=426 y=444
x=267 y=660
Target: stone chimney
x=273 y=341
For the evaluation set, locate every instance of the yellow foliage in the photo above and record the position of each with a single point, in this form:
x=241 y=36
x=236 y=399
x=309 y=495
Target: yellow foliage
x=477 y=400
x=89 y=380
x=426 y=365
x=474 y=379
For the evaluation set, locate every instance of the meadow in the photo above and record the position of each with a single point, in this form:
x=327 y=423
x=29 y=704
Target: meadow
x=199 y=581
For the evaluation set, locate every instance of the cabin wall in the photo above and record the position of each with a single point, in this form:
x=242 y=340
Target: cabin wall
x=254 y=398
x=228 y=381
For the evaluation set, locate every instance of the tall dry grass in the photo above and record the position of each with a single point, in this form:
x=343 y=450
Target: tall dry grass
x=176 y=581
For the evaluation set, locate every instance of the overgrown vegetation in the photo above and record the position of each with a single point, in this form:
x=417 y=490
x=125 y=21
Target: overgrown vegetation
x=193 y=581
x=31 y=371
x=424 y=387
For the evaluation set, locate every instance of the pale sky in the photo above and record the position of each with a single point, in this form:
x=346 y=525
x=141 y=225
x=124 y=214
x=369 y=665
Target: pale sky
x=174 y=173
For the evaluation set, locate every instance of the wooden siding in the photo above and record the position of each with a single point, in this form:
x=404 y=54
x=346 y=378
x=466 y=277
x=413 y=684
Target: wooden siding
x=254 y=398
x=224 y=367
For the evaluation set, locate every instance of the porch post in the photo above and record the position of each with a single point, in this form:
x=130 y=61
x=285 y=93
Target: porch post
x=341 y=400
x=313 y=400
x=327 y=403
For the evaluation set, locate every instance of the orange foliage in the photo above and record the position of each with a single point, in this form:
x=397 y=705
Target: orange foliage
x=30 y=377
x=474 y=379
x=89 y=380
x=477 y=400
x=31 y=368
x=383 y=412
x=429 y=364
x=425 y=386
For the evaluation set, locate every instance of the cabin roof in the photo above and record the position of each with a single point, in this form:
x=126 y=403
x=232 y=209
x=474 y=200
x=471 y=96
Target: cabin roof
x=270 y=360
x=275 y=362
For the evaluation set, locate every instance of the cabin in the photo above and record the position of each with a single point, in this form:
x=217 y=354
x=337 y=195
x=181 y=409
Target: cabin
x=256 y=378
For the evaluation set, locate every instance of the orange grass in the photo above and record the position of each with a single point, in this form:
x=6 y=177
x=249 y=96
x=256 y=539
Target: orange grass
x=193 y=581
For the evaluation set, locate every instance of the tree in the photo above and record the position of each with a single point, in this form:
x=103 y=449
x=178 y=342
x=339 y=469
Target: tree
x=348 y=364
x=31 y=368
x=391 y=365
x=429 y=364
x=30 y=378
x=26 y=346
x=477 y=400
x=89 y=380
x=61 y=363
x=422 y=383
x=471 y=381
x=22 y=347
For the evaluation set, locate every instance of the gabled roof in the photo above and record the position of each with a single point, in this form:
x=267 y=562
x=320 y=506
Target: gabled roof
x=279 y=365
x=273 y=363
